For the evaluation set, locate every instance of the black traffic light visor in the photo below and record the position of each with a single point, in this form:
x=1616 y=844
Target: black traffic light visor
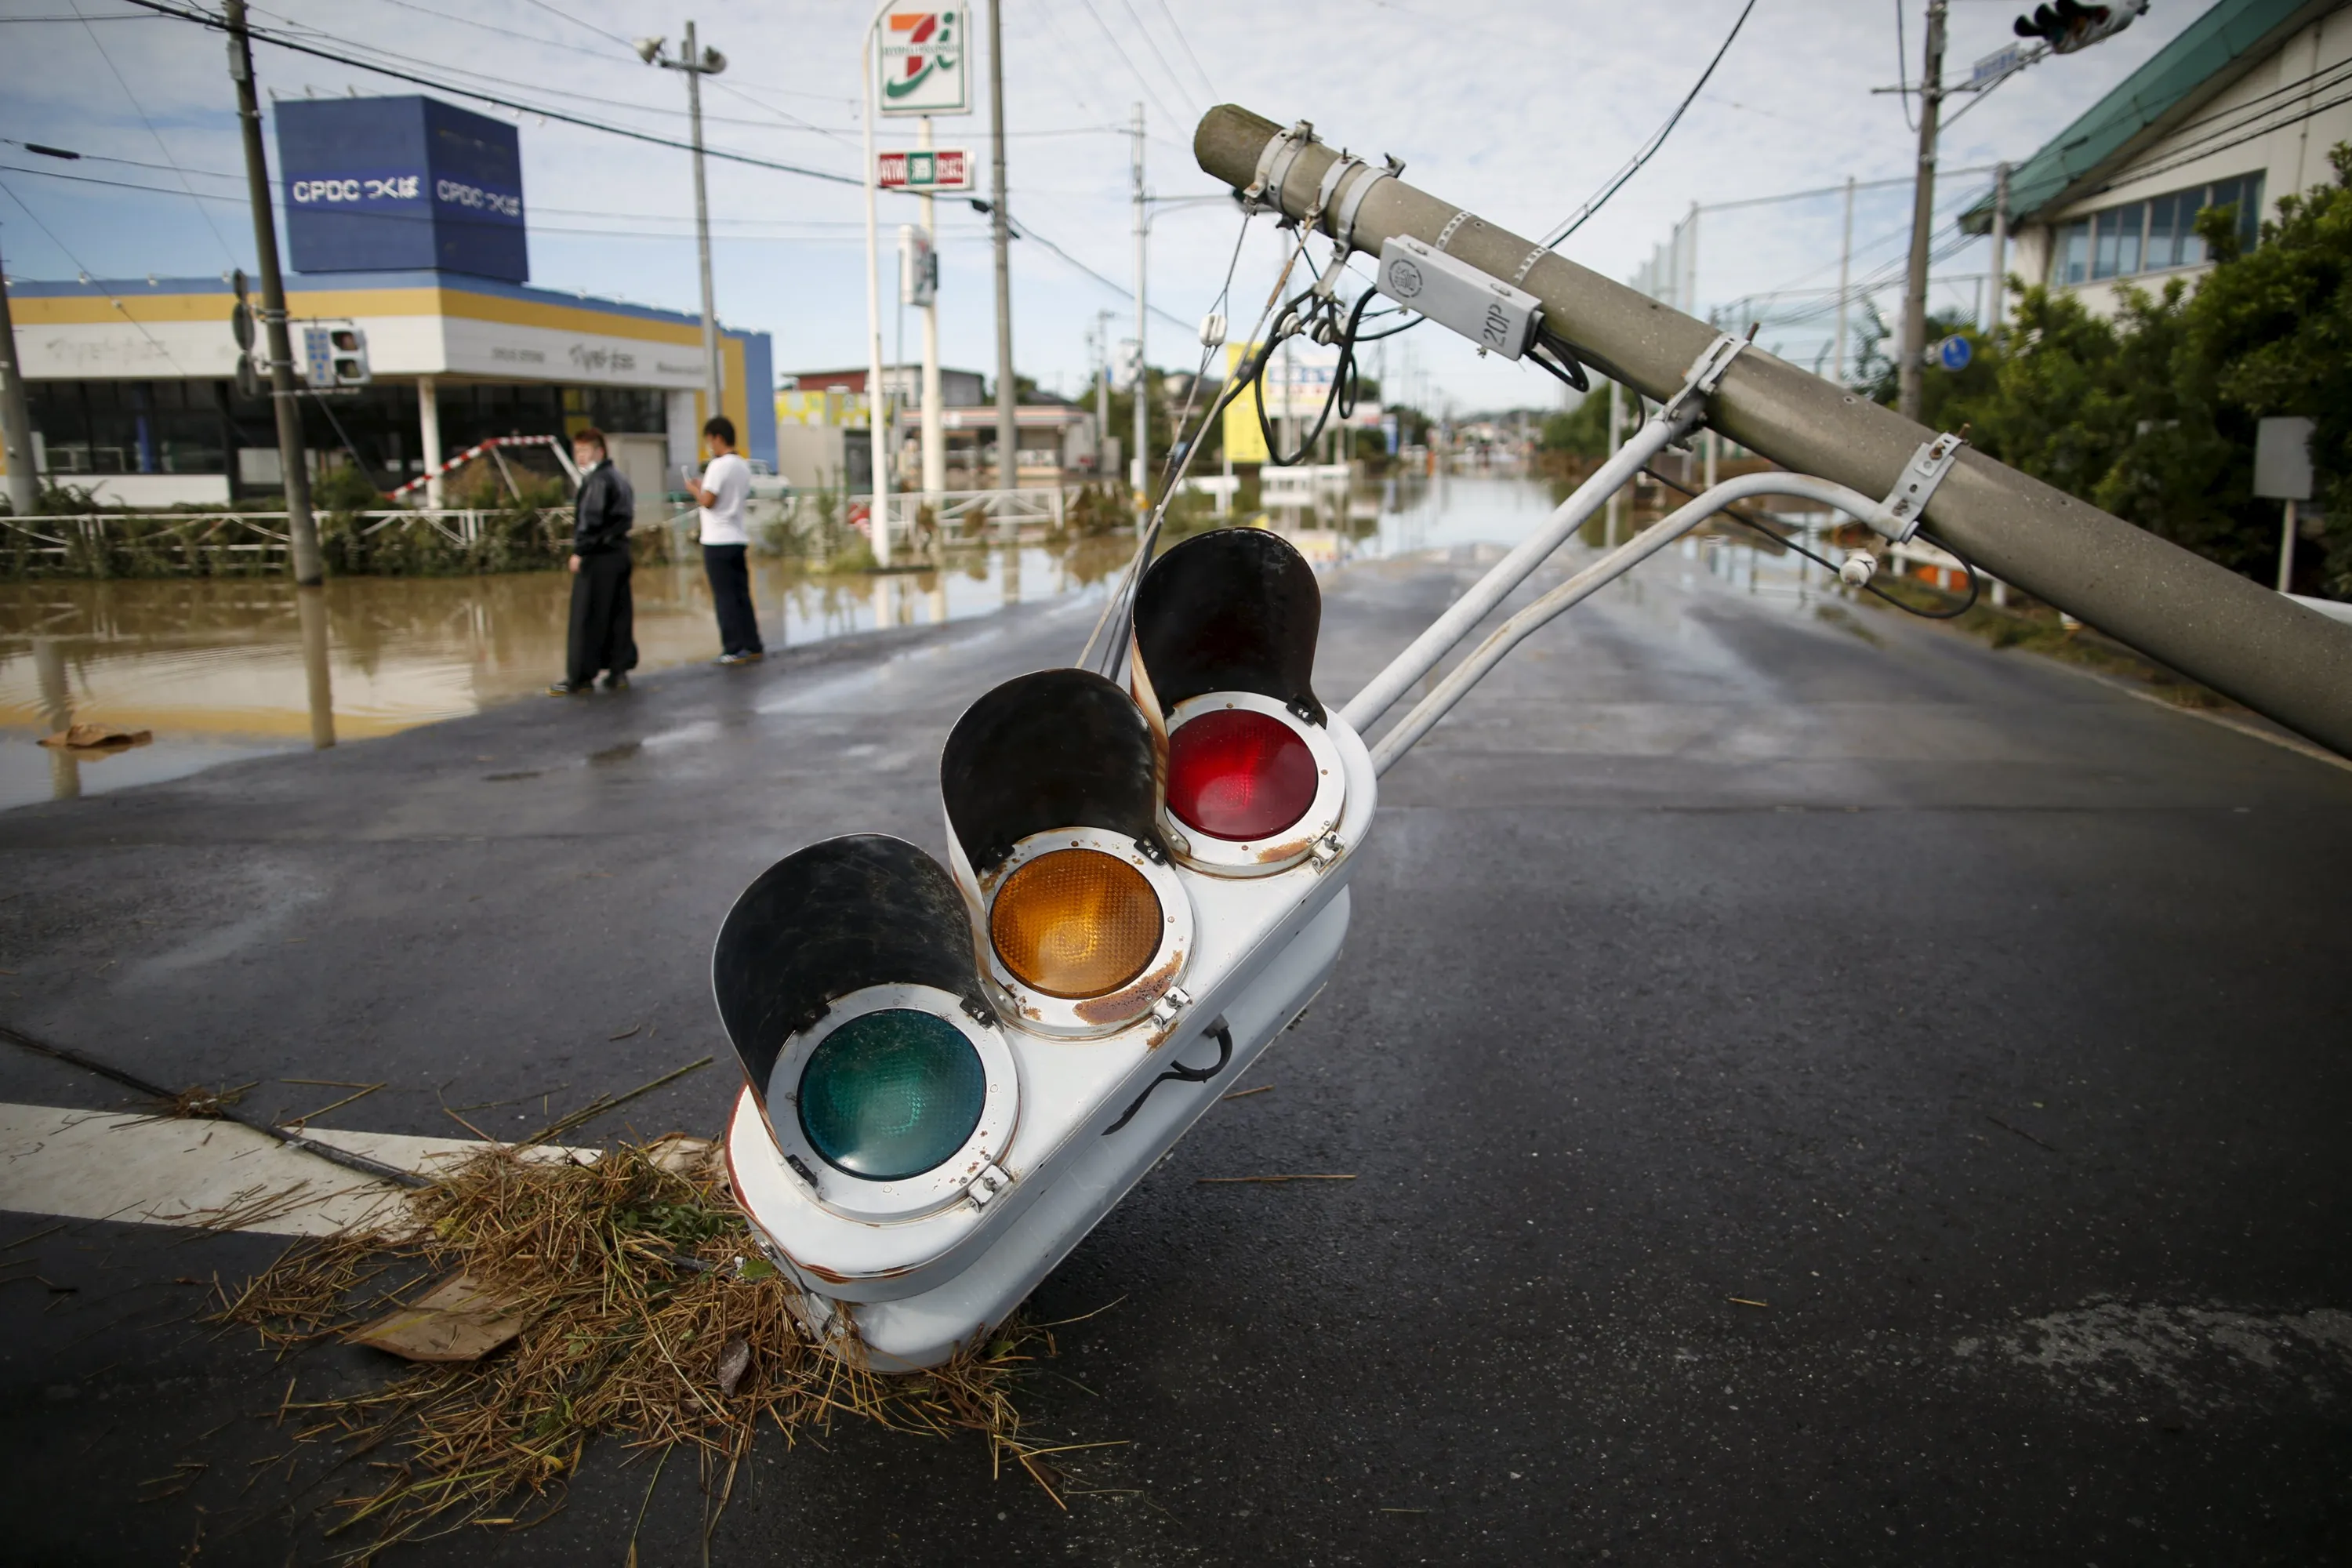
x=837 y=917
x=1235 y=609
x=1061 y=748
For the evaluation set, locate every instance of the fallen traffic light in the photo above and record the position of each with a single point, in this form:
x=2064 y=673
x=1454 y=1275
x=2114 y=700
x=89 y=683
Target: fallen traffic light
x=953 y=1072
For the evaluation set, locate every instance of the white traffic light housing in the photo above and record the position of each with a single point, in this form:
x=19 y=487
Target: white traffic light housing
x=953 y=1073
x=1223 y=661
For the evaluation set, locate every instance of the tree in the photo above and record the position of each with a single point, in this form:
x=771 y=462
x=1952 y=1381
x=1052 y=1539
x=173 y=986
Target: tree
x=1584 y=431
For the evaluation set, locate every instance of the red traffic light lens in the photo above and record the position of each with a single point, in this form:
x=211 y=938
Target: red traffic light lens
x=1237 y=775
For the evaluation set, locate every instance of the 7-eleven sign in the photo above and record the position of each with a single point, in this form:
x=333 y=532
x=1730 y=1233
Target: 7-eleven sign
x=922 y=60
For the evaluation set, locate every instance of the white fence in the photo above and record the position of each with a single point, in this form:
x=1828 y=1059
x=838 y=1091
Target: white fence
x=62 y=540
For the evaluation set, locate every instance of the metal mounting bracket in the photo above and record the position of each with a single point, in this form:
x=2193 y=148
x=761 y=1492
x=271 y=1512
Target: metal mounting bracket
x=1686 y=407
x=1332 y=177
x=984 y=1187
x=1907 y=503
x=1325 y=852
x=1273 y=165
x=1351 y=201
x=1174 y=1000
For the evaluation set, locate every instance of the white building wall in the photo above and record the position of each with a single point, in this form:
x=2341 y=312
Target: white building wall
x=2292 y=158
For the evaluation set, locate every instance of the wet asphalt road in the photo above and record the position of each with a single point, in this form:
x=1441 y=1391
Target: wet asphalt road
x=1983 y=1026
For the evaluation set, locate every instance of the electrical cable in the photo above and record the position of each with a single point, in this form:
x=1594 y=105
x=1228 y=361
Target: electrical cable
x=1657 y=140
x=218 y=1110
x=1179 y=1073
x=1120 y=49
x=1740 y=517
x=279 y=40
x=157 y=136
x=1903 y=68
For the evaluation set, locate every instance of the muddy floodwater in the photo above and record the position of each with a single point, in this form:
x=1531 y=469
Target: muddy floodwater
x=215 y=667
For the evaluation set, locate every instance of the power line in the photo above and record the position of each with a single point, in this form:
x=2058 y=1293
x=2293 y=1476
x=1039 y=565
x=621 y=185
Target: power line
x=85 y=272
x=1657 y=141
x=280 y=41
x=1185 y=43
x=141 y=110
x=1120 y=49
x=1150 y=43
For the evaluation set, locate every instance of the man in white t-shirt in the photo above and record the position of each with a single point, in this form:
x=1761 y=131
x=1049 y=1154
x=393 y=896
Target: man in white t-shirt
x=724 y=488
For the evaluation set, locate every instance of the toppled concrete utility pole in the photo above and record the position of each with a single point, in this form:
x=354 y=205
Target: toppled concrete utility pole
x=2256 y=646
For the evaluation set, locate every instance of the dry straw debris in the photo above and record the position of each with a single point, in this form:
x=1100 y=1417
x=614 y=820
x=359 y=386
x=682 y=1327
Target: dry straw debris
x=647 y=1315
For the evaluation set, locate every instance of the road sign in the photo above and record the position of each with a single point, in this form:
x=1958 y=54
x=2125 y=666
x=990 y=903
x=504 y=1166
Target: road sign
x=920 y=56
x=248 y=377
x=1954 y=352
x=924 y=169
x=919 y=266
x=240 y=325
x=2283 y=458
x=2003 y=60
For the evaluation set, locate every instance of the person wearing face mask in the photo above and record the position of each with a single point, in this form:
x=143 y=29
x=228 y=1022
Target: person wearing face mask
x=603 y=632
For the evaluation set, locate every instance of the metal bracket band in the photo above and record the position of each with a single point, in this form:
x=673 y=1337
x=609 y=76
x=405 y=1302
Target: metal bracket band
x=1907 y=503
x=1456 y=221
x=1685 y=407
x=1332 y=177
x=1274 y=163
x=1537 y=254
x=1351 y=201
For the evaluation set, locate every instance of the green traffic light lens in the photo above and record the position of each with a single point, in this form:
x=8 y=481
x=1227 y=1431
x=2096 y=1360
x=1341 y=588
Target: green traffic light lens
x=891 y=1094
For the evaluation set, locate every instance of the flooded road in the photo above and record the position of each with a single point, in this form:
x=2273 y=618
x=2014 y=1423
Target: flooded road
x=215 y=667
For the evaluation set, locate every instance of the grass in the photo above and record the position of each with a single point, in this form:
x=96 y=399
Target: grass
x=652 y=1319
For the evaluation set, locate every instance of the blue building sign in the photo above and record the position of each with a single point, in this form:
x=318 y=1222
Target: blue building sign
x=391 y=184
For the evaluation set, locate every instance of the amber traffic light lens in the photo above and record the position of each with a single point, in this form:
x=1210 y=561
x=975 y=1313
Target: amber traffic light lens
x=1076 y=923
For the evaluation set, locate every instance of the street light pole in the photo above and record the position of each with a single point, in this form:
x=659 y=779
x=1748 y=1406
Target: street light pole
x=1910 y=368
x=301 y=529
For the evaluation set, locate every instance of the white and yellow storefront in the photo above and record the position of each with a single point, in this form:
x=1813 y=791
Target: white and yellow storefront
x=134 y=395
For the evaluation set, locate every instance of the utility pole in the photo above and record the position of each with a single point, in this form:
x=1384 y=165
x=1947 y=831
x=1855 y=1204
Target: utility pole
x=1845 y=281
x=2000 y=247
x=301 y=529
x=935 y=446
x=16 y=419
x=1141 y=464
x=1008 y=394
x=1102 y=385
x=1912 y=365
x=697 y=63
x=877 y=515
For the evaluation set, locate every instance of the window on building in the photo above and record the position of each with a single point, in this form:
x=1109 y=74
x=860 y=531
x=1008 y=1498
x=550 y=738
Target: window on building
x=2154 y=235
x=128 y=426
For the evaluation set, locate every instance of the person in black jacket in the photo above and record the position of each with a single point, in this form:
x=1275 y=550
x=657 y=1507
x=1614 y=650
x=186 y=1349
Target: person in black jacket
x=604 y=634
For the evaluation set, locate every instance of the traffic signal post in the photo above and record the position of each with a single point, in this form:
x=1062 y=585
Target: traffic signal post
x=2262 y=650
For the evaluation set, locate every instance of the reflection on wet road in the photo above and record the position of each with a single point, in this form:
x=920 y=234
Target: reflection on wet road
x=222 y=668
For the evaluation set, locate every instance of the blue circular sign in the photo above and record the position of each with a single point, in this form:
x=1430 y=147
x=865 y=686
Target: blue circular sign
x=1954 y=353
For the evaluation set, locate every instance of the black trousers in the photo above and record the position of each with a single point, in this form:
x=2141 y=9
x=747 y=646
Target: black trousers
x=604 y=619
x=731 y=592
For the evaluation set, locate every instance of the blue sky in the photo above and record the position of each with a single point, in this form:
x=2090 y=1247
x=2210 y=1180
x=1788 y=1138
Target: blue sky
x=1516 y=110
